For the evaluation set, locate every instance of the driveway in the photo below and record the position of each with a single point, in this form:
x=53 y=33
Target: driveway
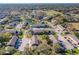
x=25 y=41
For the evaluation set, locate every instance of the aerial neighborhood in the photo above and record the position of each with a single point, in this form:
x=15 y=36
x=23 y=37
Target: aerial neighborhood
x=39 y=31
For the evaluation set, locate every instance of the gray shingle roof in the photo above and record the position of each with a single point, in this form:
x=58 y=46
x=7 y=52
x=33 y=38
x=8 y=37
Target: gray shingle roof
x=12 y=41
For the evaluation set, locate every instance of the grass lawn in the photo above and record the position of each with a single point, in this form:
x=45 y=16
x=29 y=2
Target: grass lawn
x=77 y=34
x=52 y=12
x=75 y=25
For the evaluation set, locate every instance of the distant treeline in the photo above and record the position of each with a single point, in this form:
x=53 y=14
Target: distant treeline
x=39 y=6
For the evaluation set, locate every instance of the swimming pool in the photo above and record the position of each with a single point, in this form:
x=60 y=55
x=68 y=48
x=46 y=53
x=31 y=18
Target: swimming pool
x=18 y=43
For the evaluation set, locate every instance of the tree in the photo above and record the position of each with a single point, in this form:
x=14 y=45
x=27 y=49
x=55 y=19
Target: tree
x=43 y=48
x=10 y=50
x=2 y=50
x=1 y=27
x=54 y=33
x=18 y=53
x=75 y=51
x=45 y=37
x=68 y=52
x=76 y=34
x=23 y=17
x=5 y=37
x=28 y=51
x=8 y=27
x=28 y=35
x=56 y=47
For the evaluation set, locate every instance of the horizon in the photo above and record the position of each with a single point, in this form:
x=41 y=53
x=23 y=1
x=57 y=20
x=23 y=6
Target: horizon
x=36 y=5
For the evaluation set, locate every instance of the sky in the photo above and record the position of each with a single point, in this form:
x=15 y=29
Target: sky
x=39 y=1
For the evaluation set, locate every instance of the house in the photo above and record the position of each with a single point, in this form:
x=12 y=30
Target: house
x=59 y=29
x=40 y=25
x=72 y=39
x=34 y=40
x=63 y=42
x=12 y=41
x=3 y=21
x=12 y=31
x=2 y=16
x=19 y=26
x=41 y=17
x=53 y=40
x=42 y=30
x=13 y=24
x=17 y=19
